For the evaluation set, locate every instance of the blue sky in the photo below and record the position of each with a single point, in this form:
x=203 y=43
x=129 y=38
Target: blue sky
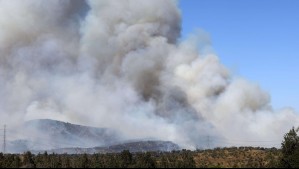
x=255 y=39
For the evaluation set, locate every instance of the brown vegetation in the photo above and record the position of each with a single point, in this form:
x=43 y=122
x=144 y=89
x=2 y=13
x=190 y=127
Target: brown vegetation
x=248 y=157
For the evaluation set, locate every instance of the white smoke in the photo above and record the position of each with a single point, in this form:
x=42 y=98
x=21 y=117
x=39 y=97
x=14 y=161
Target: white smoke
x=118 y=64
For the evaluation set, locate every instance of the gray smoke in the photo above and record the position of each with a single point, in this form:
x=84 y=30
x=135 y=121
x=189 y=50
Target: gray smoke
x=119 y=64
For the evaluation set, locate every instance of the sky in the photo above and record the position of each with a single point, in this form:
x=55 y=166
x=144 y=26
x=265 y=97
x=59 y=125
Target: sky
x=255 y=39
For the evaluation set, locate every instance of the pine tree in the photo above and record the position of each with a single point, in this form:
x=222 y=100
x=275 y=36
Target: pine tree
x=1 y=160
x=84 y=161
x=290 y=150
x=145 y=161
x=125 y=159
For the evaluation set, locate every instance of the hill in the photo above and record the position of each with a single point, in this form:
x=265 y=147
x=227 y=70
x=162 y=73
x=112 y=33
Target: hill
x=137 y=146
x=61 y=137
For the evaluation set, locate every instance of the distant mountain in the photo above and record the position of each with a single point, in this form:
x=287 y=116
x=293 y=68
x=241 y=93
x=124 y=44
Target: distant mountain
x=71 y=135
x=47 y=134
x=139 y=146
x=60 y=137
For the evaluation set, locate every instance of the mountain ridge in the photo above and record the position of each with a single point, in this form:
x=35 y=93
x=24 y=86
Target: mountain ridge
x=63 y=137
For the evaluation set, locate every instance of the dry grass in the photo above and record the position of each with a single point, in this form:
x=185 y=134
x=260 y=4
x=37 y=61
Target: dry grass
x=237 y=158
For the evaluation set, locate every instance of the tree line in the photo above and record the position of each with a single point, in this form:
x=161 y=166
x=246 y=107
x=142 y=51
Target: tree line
x=286 y=157
x=125 y=159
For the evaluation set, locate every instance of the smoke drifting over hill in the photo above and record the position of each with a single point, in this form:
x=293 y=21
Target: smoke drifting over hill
x=119 y=64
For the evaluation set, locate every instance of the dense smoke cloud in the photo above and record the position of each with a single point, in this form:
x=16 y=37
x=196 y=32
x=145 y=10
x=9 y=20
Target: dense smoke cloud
x=119 y=64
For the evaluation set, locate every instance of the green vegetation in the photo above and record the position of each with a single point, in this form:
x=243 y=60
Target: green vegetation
x=290 y=150
x=124 y=159
x=226 y=157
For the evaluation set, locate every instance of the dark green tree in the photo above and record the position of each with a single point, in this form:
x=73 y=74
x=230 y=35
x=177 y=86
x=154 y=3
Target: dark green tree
x=110 y=161
x=126 y=159
x=84 y=161
x=145 y=161
x=97 y=161
x=1 y=160
x=290 y=150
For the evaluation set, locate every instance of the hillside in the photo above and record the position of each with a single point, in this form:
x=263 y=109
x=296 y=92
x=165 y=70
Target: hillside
x=45 y=134
x=60 y=137
x=69 y=135
x=137 y=146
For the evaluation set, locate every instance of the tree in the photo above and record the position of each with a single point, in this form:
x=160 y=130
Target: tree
x=125 y=159
x=145 y=161
x=290 y=150
x=17 y=162
x=188 y=161
x=1 y=160
x=84 y=161
x=28 y=161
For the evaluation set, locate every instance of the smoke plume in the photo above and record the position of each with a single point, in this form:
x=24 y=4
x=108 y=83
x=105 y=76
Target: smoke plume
x=119 y=65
